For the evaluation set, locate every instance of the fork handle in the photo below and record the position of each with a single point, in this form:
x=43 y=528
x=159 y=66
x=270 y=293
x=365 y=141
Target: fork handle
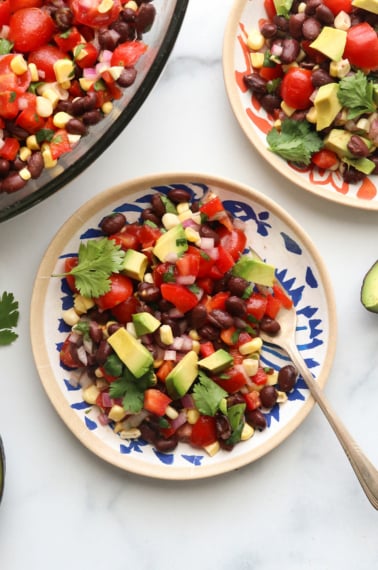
x=366 y=473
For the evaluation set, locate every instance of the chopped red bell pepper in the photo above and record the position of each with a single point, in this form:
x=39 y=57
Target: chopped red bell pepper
x=203 y=431
x=179 y=295
x=156 y=401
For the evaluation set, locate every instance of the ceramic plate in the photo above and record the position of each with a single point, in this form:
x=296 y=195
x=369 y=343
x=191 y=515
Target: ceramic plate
x=275 y=235
x=255 y=122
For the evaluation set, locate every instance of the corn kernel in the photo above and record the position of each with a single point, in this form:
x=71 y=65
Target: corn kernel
x=117 y=413
x=166 y=334
x=171 y=413
x=132 y=433
x=131 y=329
x=73 y=139
x=115 y=71
x=24 y=153
x=339 y=68
x=32 y=143
x=48 y=160
x=182 y=207
x=250 y=366
x=193 y=334
x=148 y=278
x=64 y=69
x=247 y=432
x=251 y=346
x=61 y=119
x=70 y=317
x=44 y=107
x=281 y=397
x=192 y=416
x=287 y=110
x=82 y=304
x=272 y=378
x=98 y=373
x=102 y=384
x=131 y=5
x=192 y=235
x=90 y=394
x=18 y=64
x=212 y=448
x=277 y=124
x=107 y=107
x=158 y=362
x=312 y=115
x=170 y=220
x=105 y=6
x=33 y=72
x=257 y=60
x=196 y=346
x=185 y=215
x=255 y=40
x=25 y=173
x=85 y=84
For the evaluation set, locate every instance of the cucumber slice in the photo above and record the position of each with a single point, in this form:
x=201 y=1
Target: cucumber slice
x=369 y=289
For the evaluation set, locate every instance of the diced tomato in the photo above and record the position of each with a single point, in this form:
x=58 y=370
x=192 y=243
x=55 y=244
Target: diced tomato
x=273 y=305
x=325 y=159
x=29 y=119
x=127 y=238
x=218 y=301
x=4 y=12
x=270 y=9
x=207 y=284
x=59 y=144
x=337 y=6
x=156 y=401
x=252 y=400
x=362 y=46
x=282 y=296
x=67 y=40
x=270 y=73
x=19 y=4
x=108 y=377
x=87 y=12
x=206 y=265
x=121 y=288
x=30 y=29
x=297 y=88
x=86 y=55
x=10 y=148
x=124 y=311
x=179 y=295
x=256 y=305
x=230 y=336
x=232 y=381
x=203 y=431
x=66 y=356
x=9 y=81
x=243 y=338
x=148 y=236
x=188 y=264
x=206 y=348
x=212 y=208
x=128 y=53
x=164 y=369
x=234 y=241
x=9 y=108
x=44 y=58
x=225 y=261
x=70 y=263
x=260 y=378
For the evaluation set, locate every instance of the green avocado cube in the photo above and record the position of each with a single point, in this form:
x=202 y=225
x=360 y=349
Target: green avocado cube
x=133 y=353
x=171 y=242
x=182 y=376
x=145 y=323
x=254 y=270
x=135 y=264
x=330 y=42
x=216 y=362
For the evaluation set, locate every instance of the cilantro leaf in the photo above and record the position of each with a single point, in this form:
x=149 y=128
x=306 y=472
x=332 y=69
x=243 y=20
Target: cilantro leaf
x=8 y=318
x=207 y=395
x=97 y=260
x=131 y=389
x=295 y=141
x=283 y=7
x=236 y=416
x=356 y=93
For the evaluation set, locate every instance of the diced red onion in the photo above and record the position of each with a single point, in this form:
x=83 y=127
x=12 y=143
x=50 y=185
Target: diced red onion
x=82 y=355
x=170 y=355
x=90 y=73
x=276 y=49
x=187 y=343
x=207 y=243
x=171 y=257
x=75 y=337
x=213 y=253
x=103 y=419
x=106 y=400
x=241 y=369
x=185 y=279
x=106 y=55
x=189 y=223
x=187 y=402
x=178 y=342
x=174 y=313
x=85 y=380
x=88 y=345
x=179 y=421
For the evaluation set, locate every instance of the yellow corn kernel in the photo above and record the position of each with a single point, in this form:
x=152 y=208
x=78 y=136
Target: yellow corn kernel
x=182 y=207
x=61 y=119
x=281 y=397
x=98 y=373
x=73 y=139
x=18 y=64
x=257 y=59
x=52 y=95
x=250 y=347
x=148 y=278
x=131 y=5
x=132 y=433
x=185 y=215
x=196 y=346
x=24 y=173
x=255 y=40
x=86 y=84
x=83 y=304
x=339 y=68
x=90 y=394
x=105 y=6
x=272 y=378
x=170 y=220
x=64 y=69
x=192 y=235
x=24 y=153
x=277 y=124
x=250 y=366
x=44 y=107
x=115 y=71
x=212 y=448
x=247 y=432
x=192 y=416
x=70 y=317
x=33 y=72
x=171 y=413
x=193 y=334
x=158 y=363
x=286 y=109
x=312 y=115
x=117 y=413
x=107 y=107
x=301 y=8
x=32 y=143
x=166 y=334
x=48 y=160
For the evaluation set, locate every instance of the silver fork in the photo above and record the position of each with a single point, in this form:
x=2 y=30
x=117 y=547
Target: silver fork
x=366 y=473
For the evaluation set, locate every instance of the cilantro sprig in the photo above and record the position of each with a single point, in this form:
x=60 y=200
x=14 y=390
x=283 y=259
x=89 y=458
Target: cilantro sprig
x=97 y=260
x=295 y=141
x=356 y=94
x=207 y=395
x=9 y=315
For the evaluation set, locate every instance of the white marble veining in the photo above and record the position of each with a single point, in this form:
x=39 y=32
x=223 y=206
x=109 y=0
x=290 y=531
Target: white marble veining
x=298 y=508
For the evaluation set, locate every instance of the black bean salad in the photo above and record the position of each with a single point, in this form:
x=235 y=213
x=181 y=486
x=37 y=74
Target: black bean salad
x=63 y=63
x=314 y=70
x=164 y=327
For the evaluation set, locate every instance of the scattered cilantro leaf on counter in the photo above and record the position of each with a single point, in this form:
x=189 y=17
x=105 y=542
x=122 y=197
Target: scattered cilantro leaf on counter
x=98 y=259
x=356 y=93
x=295 y=141
x=207 y=395
x=8 y=318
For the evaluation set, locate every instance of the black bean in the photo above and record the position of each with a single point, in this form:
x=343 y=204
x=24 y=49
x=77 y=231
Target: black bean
x=255 y=83
x=268 y=396
x=123 y=30
x=295 y=25
x=198 y=316
x=63 y=18
x=220 y=319
x=107 y=39
x=268 y=30
x=287 y=377
x=4 y=167
x=148 y=214
x=236 y=306
x=290 y=50
x=103 y=351
x=222 y=426
x=36 y=164
x=148 y=292
x=112 y=223
x=208 y=332
x=145 y=18
x=178 y=195
x=282 y=23
x=78 y=106
x=324 y=15
x=352 y=175
x=127 y=77
x=357 y=146
x=92 y=117
x=157 y=205
x=208 y=232
x=270 y=326
x=76 y=127
x=320 y=77
x=256 y=419
x=270 y=102
x=237 y=285
x=65 y=106
x=234 y=399
x=90 y=101
x=95 y=332
x=311 y=28
x=12 y=183
x=166 y=445
x=311 y=7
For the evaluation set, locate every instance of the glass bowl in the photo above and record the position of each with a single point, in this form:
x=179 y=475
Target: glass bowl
x=160 y=40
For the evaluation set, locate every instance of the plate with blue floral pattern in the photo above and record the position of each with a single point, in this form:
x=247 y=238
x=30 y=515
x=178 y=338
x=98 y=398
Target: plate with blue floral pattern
x=275 y=236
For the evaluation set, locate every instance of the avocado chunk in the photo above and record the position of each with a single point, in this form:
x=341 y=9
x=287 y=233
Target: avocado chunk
x=369 y=289
x=171 y=242
x=369 y=5
x=331 y=42
x=216 y=362
x=327 y=105
x=145 y=323
x=362 y=164
x=182 y=376
x=134 y=264
x=133 y=353
x=254 y=270
x=338 y=139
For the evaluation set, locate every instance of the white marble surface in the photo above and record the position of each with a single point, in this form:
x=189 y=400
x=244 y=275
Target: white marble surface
x=298 y=508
